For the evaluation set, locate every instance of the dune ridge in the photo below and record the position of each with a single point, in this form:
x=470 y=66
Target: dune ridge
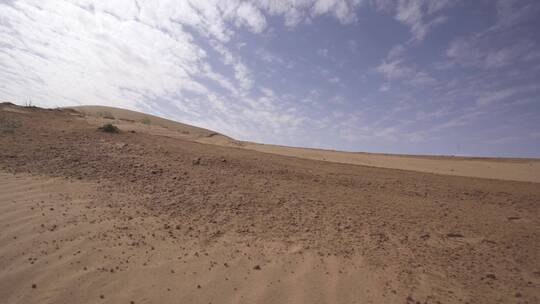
x=517 y=169
x=134 y=217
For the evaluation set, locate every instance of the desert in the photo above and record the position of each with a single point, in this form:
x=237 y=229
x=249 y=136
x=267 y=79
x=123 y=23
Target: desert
x=269 y=152
x=158 y=213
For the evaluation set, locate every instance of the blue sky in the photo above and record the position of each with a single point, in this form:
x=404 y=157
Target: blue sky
x=405 y=76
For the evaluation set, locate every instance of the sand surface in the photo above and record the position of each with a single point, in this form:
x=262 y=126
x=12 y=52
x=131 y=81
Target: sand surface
x=60 y=244
x=494 y=168
x=135 y=217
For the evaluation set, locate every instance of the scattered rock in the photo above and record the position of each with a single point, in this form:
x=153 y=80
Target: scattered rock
x=257 y=267
x=34 y=286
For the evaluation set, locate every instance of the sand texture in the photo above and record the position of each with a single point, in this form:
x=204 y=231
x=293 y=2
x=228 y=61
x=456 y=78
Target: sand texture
x=147 y=217
x=517 y=169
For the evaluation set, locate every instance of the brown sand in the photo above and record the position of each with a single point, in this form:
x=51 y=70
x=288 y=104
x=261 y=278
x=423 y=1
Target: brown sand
x=495 y=168
x=91 y=217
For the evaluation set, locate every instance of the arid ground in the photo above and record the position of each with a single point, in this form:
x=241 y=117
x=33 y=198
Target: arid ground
x=163 y=212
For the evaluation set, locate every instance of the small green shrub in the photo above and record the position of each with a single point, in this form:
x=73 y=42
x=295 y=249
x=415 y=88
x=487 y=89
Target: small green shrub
x=109 y=128
x=8 y=126
x=146 y=121
x=107 y=115
x=29 y=104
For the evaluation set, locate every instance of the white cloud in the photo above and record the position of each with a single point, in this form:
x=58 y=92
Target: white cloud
x=130 y=54
x=512 y=12
x=396 y=52
x=481 y=50
x=334 y=79
x=421 y=115
x=183 y=59
x=394 y=69
x=72 y=55
x=384 y=87
x=298 y=11
x=343 y=10
x=251 y=16
x=501 y=140
x=420 y=15
x=459 y=121
x=491 y=97
x=337 y=100
x=322 y=52
x=502 y=44
x=268 y=56
x=423 y=79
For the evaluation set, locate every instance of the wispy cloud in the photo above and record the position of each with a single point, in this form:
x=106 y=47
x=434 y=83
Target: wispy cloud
x=296 y=12
x=421 y=16
x=478 y=51
x=501 y=95
x=322 y=52
x=501 y=140
x=250 y=16
x=395 y=67
x=275 y=71
x=384 y=87
x=489 y=48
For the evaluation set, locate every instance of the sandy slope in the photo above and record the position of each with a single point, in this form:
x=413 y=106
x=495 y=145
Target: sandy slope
x=150 y=124
x=496 y=168
x=60 y=245
x=161 y=219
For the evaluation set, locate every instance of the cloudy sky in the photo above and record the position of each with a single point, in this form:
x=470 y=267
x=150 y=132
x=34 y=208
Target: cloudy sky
x=403 y=76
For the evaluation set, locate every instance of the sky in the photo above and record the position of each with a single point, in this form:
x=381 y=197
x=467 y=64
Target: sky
x=405 y=76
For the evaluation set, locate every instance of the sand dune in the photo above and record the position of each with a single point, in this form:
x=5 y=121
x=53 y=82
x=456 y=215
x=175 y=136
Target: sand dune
x=59 y=245
x=495 y=168
x=134 y=217
x=150 y=124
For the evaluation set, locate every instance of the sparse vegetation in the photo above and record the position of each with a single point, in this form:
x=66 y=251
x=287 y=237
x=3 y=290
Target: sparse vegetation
x=109 y=128
x=146 y=121
x=106 y=115
x=29 y=104
x=8 y=126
